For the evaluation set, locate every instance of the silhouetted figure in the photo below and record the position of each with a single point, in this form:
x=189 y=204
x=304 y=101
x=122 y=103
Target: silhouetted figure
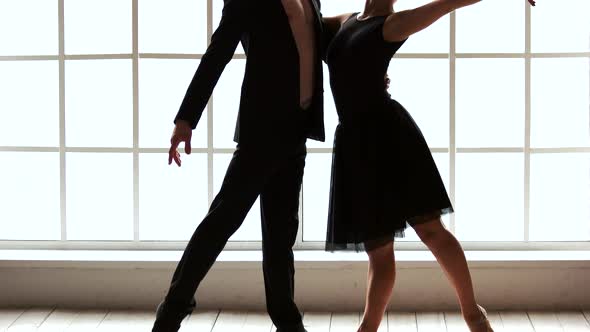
x=281 y=106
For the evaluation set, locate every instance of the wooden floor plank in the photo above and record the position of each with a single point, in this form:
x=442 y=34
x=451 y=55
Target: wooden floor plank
x=317 y=321
x=87 y=320
x=127 y=320
x=402 y=321
x=142 y=320
x=30 y=320
x=257 y=322
x=9 y=316
x=344 y=322
x=573 y=321
x=49 y=320
x=59 y=320
x=200 y=320
x=384 y=327
x=430 y=321
x=545 y=321
x=230 y=321
x=517 y=321
x=496 y=321
x=455 y=322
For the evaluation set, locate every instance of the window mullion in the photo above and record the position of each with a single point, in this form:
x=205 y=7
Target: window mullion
x=210 y=151
x=62 y=119
x=135 y=57
x=452 y=113
x=527 y=121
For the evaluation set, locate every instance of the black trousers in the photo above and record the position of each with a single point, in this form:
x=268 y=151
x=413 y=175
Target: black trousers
x=275 y=176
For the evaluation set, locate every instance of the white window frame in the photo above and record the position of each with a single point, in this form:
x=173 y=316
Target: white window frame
x=452 y=151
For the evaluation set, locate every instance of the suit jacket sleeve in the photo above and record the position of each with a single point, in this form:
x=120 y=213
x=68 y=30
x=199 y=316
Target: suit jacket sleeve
x=220 y=51
x=328 y=35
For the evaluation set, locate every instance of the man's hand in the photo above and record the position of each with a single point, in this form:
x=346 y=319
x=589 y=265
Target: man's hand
x=532 y=2
x=182 y=133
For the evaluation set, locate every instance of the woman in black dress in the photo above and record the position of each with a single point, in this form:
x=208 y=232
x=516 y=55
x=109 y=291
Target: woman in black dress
x=383 y=174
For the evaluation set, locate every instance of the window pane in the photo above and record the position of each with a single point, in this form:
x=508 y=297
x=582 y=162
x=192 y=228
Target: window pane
x=162 y=86
x=226 y=100
x=316 y=190
x=97 y=26
x=560 y=197
x=330 y=115
x=217 y=9
x=29 y=103
x=434 y=39
x=561 y=26
x=99 y=103
x=490 y=197
x=490 y=100
x=560 y=103
x=339 y=7
x=173 y=200
x=29 y=27
x=426 y=99
x=99 y=196
x=250 y=229
x=29 y=196
x=491 y=27
x=178 y=26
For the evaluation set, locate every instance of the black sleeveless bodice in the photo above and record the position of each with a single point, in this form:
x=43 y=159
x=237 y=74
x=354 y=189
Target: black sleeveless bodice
x=358 y=58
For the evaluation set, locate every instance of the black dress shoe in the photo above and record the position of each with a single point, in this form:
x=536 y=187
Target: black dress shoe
x=297 y=328
x=168 y=319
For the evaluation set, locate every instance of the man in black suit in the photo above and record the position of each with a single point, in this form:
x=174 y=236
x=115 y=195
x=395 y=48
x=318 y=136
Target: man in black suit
x=281 y=106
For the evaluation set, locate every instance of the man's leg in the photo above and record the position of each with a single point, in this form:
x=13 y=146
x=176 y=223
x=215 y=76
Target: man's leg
x=279 y=210
x=244 y=179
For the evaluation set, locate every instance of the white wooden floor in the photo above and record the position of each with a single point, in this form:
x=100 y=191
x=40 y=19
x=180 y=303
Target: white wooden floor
x=21 y=320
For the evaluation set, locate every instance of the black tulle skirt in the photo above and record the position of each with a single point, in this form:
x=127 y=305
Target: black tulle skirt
x=383 y=179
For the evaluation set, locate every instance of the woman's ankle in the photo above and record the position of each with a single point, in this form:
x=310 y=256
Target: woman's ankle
x=470 y=311
x=367 y=326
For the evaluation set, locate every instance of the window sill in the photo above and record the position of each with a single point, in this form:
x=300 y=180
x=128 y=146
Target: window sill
x=304 y=259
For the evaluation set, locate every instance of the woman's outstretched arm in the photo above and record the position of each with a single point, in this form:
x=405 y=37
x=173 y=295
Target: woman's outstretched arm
x=401 y=25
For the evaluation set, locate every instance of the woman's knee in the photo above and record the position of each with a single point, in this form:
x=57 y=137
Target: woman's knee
x=380 y=251
x=430 y=230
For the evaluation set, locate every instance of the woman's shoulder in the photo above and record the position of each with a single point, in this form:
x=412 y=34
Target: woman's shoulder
x=335 y=22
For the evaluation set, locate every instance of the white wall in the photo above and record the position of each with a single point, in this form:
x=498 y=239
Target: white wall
x=320 y=284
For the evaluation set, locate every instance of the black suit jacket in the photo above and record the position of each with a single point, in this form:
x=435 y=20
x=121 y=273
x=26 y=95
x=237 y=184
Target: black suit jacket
x=269 y=110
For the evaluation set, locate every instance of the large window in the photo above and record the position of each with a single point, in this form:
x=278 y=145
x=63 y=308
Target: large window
x=89 y=88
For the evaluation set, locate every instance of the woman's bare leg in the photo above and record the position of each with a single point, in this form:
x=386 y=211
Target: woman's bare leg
x=380 y=280
x=451 y=257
